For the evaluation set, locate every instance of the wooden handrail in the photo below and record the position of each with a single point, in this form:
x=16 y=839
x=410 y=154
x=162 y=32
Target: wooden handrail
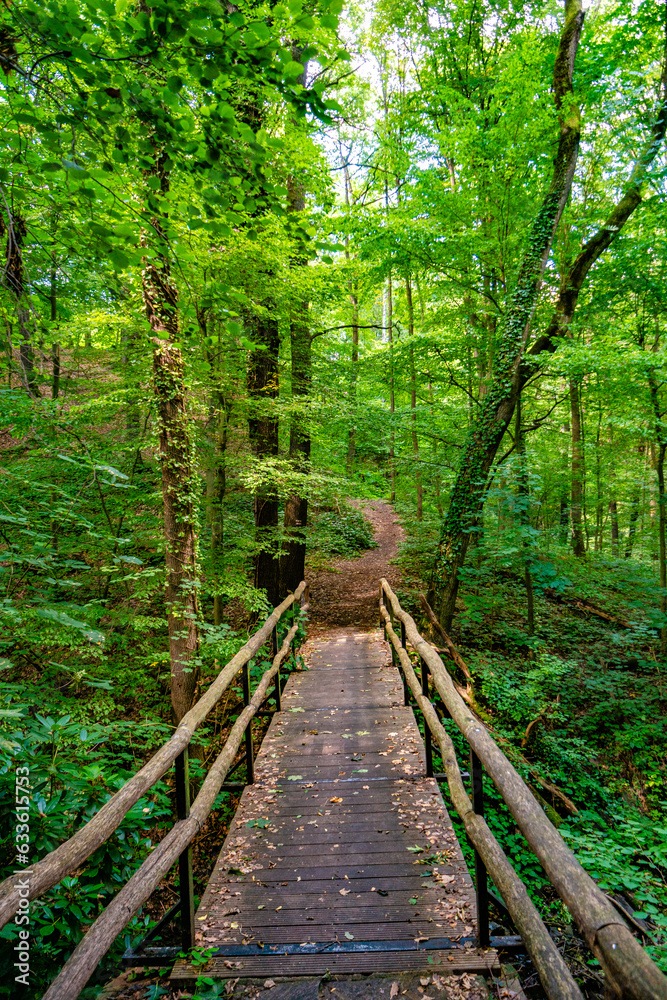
x=629 y=970
x=71 y=854
x=116 y=916
x=551 y=968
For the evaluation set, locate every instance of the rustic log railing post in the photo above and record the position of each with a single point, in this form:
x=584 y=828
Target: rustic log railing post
x=249 y=749
x=428 y=745
x=406 y=689
x=481 y=878
x=186 y=885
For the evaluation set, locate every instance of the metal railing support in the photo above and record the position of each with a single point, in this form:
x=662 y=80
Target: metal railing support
x=428 y=744
x=481 y=877
x=406 y=688
x=249 y=749
x=274 y=652
x=186 y=885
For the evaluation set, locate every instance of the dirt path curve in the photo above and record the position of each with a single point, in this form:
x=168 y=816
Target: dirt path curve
x=348 y=595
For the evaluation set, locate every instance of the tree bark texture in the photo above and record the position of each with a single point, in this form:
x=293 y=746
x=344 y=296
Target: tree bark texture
x=497 y=407
x=161 y=305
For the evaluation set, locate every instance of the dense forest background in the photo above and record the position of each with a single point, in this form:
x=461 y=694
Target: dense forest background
x=264 y=262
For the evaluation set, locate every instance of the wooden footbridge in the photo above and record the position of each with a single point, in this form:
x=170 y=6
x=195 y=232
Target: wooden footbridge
x=342 y=858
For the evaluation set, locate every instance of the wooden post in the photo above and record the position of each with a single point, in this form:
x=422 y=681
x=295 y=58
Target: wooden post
x=186 y=886
x=428 y=745
x=406 y=689
x=249 y=751
x=481 y=879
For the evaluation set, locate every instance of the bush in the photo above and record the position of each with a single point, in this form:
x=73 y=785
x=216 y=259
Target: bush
x=344 y=532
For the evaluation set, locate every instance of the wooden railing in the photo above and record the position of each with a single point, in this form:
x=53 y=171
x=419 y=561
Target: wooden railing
x=175 y=845
x=628 y=969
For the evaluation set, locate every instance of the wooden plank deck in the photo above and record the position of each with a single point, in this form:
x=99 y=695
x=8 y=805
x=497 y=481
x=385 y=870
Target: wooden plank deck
x=341 y=856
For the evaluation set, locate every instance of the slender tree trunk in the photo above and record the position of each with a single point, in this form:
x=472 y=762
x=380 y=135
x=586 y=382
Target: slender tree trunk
x=662 y=520
x=613 y=504
x=55 y=347
x=292 y=567
x=352 y=288
x=661 y=439
x=216 y=487
x=523 y=493
x=354 y=374
x=14 y=280
x=578 y=545
x=161 y=305
x=392 y=395
x=635 y=504
x=293 y=560
x=413 y=402
x=497 y=407
x=263 y=429
x=613 y=515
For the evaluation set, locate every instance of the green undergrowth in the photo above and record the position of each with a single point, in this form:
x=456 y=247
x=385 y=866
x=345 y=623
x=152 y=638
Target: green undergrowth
x=81 y=743
x=341 y=532
x=582 y=703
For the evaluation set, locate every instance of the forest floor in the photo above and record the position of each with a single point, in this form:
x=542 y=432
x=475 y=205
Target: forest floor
x=346 y=592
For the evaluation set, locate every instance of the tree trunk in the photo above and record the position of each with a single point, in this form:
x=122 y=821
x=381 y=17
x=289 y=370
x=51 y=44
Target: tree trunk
x=593 y=249
x=161 y=305
x=392 y=395
x=497 y=407
x=14 y=279
x=293 y=560
x=613 y=504
x=662 y=518
x=413 y=402
x=216 y=487
x=263 y=430
x=635 y=503
x=292 y=567
x=578 y=544
x=354 y=372
x=523 y=495
x=55 y=347
x=661 y=438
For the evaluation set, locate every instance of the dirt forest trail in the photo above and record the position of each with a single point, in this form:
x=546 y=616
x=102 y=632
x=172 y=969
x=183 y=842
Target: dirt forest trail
x=348 y=595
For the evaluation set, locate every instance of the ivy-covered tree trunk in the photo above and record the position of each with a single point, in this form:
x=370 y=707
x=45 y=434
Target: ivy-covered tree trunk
x=161 y=305
x=263 y=430
x=578 y=270
x=497 y=407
